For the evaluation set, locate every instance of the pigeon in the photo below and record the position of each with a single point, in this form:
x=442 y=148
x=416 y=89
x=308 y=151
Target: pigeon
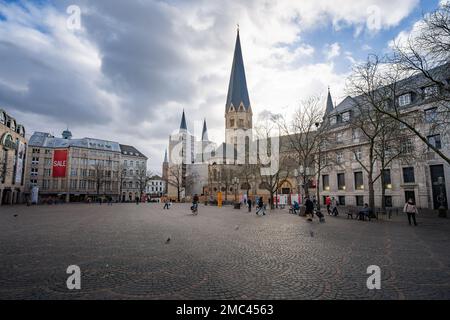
x=168 y=240
x=236 y=228
x=311 y=233
x=16 y=215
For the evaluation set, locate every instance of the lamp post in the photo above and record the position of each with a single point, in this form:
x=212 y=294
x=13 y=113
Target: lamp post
x=441 y=198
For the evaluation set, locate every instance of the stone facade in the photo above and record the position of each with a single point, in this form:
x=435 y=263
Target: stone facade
x=13 y=146
x=134 y=171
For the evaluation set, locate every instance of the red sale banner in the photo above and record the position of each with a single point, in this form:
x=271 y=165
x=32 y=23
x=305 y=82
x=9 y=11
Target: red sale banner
x=59 y=163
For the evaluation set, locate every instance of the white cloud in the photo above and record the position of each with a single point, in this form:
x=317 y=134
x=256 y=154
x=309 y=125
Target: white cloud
x=134 y=65
x=332 y=51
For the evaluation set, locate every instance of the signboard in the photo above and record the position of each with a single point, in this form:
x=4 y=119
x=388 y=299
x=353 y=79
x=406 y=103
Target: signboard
x=19 y=162
x=219 y=199
x=59 y=163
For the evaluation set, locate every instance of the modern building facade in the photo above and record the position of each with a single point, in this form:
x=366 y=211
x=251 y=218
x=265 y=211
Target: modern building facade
x=13 y=148
x=133 y=173
x=67 y=169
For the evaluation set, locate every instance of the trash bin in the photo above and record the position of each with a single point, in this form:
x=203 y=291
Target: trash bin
x=237 y=205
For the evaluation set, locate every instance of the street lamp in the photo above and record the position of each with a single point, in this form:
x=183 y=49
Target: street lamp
x=441 y=198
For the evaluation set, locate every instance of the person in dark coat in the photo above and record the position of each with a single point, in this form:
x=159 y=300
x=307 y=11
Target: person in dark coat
x=309 y=206
x=249 y=203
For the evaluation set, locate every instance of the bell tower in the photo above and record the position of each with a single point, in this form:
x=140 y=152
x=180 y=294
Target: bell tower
x=238 y=111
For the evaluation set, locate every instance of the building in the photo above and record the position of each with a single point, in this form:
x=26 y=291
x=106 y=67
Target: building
x=13 y=146
x=156 y=187
x=133 y=173
x=67 y=169
x=218 y=169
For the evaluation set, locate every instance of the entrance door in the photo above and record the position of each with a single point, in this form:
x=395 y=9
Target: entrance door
x=438 y=186
x=410 y=195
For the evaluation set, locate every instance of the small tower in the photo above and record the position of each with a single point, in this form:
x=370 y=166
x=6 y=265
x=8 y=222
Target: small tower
x=67 y=134
x=238 y=111
x=165 y=171
x=330 y=107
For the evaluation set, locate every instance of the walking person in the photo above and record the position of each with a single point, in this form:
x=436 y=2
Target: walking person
x=261 y=207
x=194 y=207
x=411 y=210
x=328 y=204
x=166 y=204
x=137 y=200
x=249 y=204
x=309 y=206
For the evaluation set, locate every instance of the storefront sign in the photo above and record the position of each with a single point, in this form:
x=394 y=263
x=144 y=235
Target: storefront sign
x=59 y=163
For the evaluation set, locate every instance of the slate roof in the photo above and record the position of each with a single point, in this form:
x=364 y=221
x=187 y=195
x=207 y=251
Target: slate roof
x=46 y=140
x=131 y=151
x=237 y=89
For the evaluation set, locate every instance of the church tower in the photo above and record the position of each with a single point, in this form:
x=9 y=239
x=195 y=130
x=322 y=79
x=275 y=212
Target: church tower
x=238 y=111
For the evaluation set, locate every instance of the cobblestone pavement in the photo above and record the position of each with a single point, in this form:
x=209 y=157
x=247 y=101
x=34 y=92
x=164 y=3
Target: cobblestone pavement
x=219 y=254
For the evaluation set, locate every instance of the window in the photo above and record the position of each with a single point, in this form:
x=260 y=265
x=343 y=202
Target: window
x=359 y=182
x=341 y=200
x=430 y=91
x=33 y=182
x=430 y=114
x=408 y=175
x=45 y=184
x=333 y=120
x=47 y=172
x=241 y=123
x=34 y=171
x=388 y=201
x=404 y=100
x=83 y=184
x=35 y=160
x=36 y=150
x=387 y=179
x=346 y=117
x=48 y=151
x=48 y=162
x=73 y=184
x=356 y=134
x=232 y=123
x=341 y=181
x=326 y=182
x=435 y=141
x=131 y=163
x=359 y=201
x=407 y=146
x=357 y=155
x=125 y=163
x=73 y=172
x=339 y=137
x=55 y=184
x=339 y=157
x=91 y=185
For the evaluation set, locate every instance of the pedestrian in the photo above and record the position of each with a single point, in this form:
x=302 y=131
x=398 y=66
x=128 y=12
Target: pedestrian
x=137 y=200
x=249 y=204
x=365 y=212
x=309 y=206
x=166 y=204
x=328 y=204
x=411 y=210
x=110 y=201
x=261 y=207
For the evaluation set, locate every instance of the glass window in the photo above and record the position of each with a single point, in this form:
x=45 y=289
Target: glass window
x=404 y=100
x=359 y=182
x=359 y=201
x=341 y=181
x=326 y=182
x=435 y=140
x=346 y=117
x=339 y=157
x=388 y=201
x=357 y=155
x=387 y=179
x=431 y=114
x=341 y=200
x=408 y=175
x=333 y=120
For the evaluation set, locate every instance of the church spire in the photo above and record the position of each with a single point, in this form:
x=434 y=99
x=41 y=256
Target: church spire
x=330 y=106
x=183 y=125
x=205 y=132
x=165 y=157
x=237 y=89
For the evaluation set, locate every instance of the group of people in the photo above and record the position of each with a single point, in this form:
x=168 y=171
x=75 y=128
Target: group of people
x=260 y=206
x=332 y=205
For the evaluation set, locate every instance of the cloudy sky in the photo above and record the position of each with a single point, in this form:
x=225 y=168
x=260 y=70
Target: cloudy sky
x=132 y=66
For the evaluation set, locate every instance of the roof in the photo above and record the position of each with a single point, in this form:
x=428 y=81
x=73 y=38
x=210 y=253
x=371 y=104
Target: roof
x=46 y=140
x=183 y=125
x=131 y=151
x=205 y=132
x=330 y=106
x=237 y=89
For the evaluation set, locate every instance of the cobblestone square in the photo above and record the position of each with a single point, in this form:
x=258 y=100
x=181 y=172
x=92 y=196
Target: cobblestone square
x=123 y=253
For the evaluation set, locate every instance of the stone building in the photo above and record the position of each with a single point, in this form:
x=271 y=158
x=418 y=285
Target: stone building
x=67 y=169
x=156 y=187
x=133 y=174
x=13 y=146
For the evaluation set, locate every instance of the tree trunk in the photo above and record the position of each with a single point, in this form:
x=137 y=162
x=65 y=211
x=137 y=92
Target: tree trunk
x=318 y=191
x=371 y=193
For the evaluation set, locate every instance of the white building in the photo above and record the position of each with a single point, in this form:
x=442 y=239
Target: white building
x=156 y=187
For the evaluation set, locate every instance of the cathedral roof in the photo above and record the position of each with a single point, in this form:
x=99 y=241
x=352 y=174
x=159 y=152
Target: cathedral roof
x=237 y=89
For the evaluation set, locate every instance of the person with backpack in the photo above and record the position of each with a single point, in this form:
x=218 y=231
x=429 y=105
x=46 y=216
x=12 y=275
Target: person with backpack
x=411 y=210
x=309 y=206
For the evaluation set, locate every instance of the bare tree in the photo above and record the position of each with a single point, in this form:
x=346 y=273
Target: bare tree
x=142 y=178
x=99 y=176
x=121 y=177
x=304 y=141
x=176 y=178
x=426 y=53
x=247 y=174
